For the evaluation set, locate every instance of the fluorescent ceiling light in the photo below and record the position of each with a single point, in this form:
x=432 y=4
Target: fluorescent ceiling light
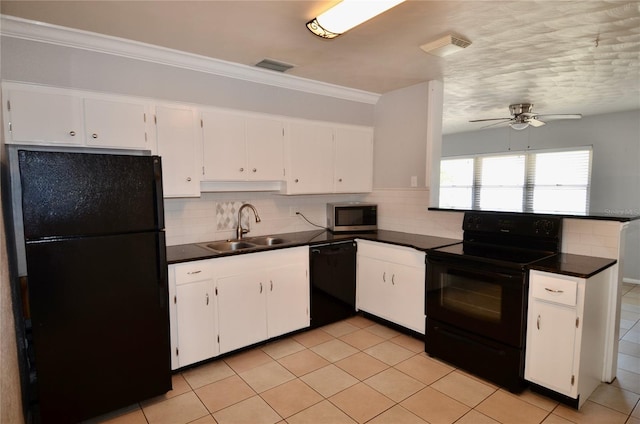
x=348 y=14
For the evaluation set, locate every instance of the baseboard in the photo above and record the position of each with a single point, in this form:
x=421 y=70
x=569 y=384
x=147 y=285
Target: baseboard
x=631 y=281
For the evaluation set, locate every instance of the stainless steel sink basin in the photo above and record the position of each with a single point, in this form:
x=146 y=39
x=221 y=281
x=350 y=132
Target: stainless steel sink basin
x=249 y=243
x=229 y=246
x=267 y=241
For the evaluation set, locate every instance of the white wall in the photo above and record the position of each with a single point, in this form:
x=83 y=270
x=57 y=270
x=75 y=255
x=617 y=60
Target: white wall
x=615 y=173
x=49 y=64
x=400 y=145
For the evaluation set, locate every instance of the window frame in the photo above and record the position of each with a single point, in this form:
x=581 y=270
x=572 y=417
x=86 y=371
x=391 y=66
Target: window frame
x=529 y=186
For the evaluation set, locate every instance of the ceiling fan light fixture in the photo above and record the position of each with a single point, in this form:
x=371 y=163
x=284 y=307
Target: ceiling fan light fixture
x=519 y=125
x=445 y=46
x=346 y=15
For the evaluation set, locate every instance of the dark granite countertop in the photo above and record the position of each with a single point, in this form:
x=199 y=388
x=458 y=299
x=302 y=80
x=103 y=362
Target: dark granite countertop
x=574 y=265
x=193 y=251
x=613 y=215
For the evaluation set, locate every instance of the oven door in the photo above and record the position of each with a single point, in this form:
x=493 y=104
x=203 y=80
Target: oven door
x=477 y=297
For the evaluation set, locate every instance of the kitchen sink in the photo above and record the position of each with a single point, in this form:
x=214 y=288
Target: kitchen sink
x=229 y=245
x=267 y=241
x=249 y=243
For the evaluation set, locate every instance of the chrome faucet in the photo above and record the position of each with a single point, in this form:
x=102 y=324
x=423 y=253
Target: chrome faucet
x=239 y=230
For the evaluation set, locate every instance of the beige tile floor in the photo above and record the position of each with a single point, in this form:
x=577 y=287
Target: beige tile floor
x=357 y=371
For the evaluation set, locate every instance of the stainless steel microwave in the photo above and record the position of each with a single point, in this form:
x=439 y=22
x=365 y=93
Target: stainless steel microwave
x=352 y=217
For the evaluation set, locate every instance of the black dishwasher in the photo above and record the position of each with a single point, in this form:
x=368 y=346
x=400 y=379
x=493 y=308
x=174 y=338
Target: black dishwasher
x=333 y=282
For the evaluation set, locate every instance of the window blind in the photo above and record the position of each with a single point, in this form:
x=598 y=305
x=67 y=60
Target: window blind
x=533 y=181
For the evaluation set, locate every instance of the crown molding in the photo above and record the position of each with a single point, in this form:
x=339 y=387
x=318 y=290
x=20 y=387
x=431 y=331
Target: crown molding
x=68 y=37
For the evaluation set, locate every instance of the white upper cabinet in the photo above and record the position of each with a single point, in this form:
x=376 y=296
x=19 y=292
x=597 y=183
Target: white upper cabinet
x=176 y=132
x=240 y=147
x=115 y=124
x=323 y=157
x=353 y=160
x=224 y=147
x=265 y=148
x=309 y=158
x=51 y=116
x=43 y=118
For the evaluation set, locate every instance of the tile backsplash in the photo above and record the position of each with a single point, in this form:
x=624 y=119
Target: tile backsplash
x=213 y=216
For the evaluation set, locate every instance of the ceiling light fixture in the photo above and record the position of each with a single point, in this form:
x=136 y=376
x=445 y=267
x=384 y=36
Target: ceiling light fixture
x=519 y=125
x=346 y=15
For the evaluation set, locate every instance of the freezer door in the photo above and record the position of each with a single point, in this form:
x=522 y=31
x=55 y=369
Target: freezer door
x=99 y=309
x=82 y=194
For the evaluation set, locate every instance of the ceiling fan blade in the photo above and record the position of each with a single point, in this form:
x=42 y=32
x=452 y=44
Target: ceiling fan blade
x=504 y=122
x=560 y=116
x=492 y=119
x=534 y=122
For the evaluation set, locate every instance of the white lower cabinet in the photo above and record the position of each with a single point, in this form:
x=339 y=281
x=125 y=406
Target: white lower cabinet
x=193 y=313
x=242 y=310
x=391 y=283
x=566 y=333
x=223 y=304
x=269 y=300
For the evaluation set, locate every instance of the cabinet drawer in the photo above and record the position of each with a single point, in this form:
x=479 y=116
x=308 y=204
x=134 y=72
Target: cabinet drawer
x=191 y=271
x=557 y=289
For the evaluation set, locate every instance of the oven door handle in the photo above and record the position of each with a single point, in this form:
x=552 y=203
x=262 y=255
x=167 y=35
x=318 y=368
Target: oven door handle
x=461 y=264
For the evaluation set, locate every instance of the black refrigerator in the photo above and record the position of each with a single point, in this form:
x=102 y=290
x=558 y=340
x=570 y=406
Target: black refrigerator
x=97 y=281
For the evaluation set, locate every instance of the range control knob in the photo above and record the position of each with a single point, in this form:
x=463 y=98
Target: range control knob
x=473 y=222
x=544 y=226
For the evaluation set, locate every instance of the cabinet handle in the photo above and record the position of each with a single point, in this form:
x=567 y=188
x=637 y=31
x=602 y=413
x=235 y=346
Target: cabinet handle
x=393 y=279
x=94 y=135
x=72 y=133
x=188 y=179
x=254 y=169
x=241 y=169
x=538 y=322
x=207 y=298
x=553 y=291
x=384 y=277
x=194 y=272
x=339 y=180
x=260 y=287
x=271 y=282
x=296 y=180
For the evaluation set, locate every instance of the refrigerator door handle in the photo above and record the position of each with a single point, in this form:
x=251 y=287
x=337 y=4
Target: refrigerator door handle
x=163 y=277
x=157 y=173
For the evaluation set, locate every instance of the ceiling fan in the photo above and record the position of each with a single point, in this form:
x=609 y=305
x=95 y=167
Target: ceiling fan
x=522 y=116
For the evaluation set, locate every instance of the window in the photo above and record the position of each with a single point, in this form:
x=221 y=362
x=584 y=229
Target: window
x=542 y=181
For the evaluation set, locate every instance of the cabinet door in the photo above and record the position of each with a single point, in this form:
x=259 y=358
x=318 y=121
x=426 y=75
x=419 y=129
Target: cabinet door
x=406 y=297
x=288 y=299
x=242 y=310
x=551 y=334
x=265 y=149
x=353 y=160
x=374 y=281
x=224 y=148
x=309 y=158
x=177 y=145
x=196 y=317
x=50 y=118
x=115 y=124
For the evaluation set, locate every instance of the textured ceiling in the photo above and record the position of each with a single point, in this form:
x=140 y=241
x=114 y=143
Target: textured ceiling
x=578 y=56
